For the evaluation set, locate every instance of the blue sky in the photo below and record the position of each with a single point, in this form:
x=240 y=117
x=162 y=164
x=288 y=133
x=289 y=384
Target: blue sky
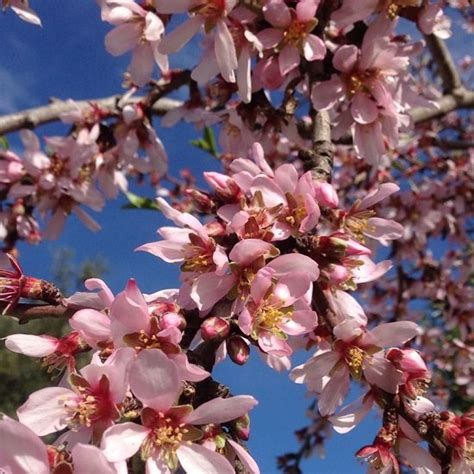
x=66 y=59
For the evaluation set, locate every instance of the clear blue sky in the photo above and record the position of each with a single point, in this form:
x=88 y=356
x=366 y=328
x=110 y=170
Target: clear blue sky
x=66 y=59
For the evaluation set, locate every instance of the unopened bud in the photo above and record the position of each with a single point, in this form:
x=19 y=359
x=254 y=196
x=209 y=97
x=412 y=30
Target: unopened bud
x=169 y=320
x=202 y=201
x=242 y=427
x=215 y=328
x=337 y=274
x=325 y=194
x=238 y=350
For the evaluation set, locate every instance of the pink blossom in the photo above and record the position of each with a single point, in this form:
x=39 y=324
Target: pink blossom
x=356 y=352
x=432 y=20
x=56 y=353
x=167 y=437
x=88 y=407
x=138 y=30
x=210 y=14
x=276 y=309
x=366 y=85
x=291 y=34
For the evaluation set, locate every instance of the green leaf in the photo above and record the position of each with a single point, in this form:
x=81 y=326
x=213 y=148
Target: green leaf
x=4 y=143
x=139 y=202
x=207 y=143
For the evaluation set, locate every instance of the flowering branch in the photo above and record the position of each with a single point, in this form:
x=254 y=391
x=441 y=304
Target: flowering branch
x=26 y=312
x=32 y=118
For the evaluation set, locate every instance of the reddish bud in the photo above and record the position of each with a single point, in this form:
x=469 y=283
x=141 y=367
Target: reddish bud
x=15 y=285
x=201 y=200
x=238 y=350
x=242 y=427
x=215 y=328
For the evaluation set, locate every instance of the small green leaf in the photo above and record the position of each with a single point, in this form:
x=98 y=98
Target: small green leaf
x=4 y=143
x=207 y=143
x=139 y=202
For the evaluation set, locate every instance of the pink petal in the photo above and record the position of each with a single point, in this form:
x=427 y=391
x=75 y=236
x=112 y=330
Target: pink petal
x=351 y=415
x=29 y=345
x=369 y=142
x=248 y=250
x=44 y=411
x=314 y=48
x=187 y=371
x=225 y=51
x=221 y=410
x=315 y=368
x=277 y=13
x=364 y=110
x=181 y=35
x=395 y=334
x=301 y=322
x=286 y=176
x=418 y=458
x=270 y=37
x=167 y=250
x=248 y=462
x=196 y=459
x=122 y=39
x=143 y=62
x=22 y=452
x=306 y=9
x=334 y=392
x=154 y=380
x=346 y=306
x=272 y=194
x=324 y=95
x=287 y=263
x=122 y=441
x=383 y=229
x=88 y=459
x=104 y=291
x=345 y=58
x=93 y=326
x=209 y=288
x=288 y=59
x=377 y=195
x=370 y=271
x=379 y=371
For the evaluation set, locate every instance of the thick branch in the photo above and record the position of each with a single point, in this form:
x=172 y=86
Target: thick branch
x=319 y=159
x=27 y=312
x=35 y=117
x=460 y=98
x=446 y=67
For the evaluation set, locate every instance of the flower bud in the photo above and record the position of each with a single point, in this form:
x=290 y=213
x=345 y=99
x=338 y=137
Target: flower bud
x=242 y=427
x=337 y=274
x=238 y=350
x=202 y=201
x=169 y=320
x=215 y=328
x=325 y=194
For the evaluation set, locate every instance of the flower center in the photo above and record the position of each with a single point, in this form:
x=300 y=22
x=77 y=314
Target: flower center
x=199 y=263
x=211 y=10
x=296 y=32
x=354 y=357
x=269 y=319
x=359 y=81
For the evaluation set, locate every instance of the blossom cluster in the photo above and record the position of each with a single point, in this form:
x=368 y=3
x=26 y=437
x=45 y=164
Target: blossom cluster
x=135 y=395
x=81 y=170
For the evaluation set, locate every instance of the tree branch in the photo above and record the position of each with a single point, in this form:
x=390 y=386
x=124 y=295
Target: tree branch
x=25 y=312
x=460 y=98
x=35 y=117
x=444 y=61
